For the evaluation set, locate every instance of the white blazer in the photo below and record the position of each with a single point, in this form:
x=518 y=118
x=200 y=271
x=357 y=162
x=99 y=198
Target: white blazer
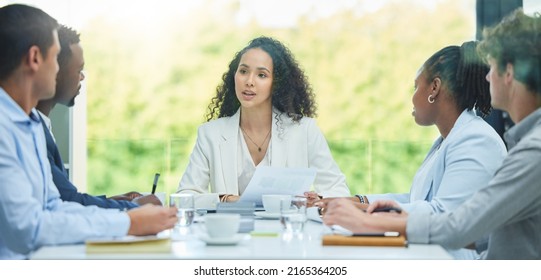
x=214 y=158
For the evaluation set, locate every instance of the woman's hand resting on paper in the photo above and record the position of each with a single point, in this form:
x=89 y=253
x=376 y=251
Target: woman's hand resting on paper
x=344 y=212
x=323 y=203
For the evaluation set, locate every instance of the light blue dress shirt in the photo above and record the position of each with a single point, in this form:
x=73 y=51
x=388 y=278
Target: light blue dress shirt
x=31 y=212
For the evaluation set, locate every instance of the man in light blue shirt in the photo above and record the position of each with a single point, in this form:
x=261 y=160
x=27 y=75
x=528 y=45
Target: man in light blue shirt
x=31 y=212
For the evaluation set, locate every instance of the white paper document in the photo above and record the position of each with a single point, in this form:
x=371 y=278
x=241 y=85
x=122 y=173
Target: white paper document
x=312 y=213
x=278 y=180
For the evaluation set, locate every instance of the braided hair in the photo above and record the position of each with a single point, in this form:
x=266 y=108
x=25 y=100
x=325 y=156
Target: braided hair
x=463 y=72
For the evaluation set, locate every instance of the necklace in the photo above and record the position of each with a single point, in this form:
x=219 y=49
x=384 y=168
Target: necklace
x=249 y=138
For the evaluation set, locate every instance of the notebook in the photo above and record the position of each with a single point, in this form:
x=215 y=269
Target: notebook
x=129 y=244
x=342 y=240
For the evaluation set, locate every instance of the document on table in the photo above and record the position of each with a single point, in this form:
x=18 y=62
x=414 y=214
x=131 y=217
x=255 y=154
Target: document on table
x=312 y=213
x=278 y=180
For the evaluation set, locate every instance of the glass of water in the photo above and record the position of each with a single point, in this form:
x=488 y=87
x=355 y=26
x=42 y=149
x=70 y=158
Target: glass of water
x=293 y=215
x=185 y=208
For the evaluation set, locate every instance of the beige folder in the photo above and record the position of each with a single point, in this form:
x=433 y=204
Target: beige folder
x=341 y=240
x=129 y=244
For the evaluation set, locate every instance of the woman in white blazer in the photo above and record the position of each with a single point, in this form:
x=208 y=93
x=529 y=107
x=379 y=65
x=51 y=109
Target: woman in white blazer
x=449 y=85
x=261 y=115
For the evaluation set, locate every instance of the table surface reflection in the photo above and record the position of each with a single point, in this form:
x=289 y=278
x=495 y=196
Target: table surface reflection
x=269 y=244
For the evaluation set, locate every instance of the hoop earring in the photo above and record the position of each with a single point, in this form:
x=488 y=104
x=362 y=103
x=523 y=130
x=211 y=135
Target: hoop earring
x=431 y=99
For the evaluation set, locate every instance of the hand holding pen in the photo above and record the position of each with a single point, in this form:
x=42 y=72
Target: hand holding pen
x=151 y=198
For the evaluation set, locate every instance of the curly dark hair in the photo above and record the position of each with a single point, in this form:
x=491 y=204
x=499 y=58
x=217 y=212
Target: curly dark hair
x=516 y=40
x=291 y=92
x=463 y=72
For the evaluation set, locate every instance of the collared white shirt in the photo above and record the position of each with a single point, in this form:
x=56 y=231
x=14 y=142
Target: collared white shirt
x=48 y=123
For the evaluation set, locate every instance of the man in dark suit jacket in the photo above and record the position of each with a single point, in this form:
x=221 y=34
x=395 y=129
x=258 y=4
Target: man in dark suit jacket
x=68 y=84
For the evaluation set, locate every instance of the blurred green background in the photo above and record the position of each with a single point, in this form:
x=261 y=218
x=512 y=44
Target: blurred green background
x=149 y=84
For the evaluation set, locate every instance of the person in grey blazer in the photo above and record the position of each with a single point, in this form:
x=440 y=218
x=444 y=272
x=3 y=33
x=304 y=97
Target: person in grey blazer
x=261 y=116
x=449 y=85
x=507 y=208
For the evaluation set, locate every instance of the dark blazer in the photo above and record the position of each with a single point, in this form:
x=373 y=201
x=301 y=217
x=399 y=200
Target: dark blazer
x=68 y=192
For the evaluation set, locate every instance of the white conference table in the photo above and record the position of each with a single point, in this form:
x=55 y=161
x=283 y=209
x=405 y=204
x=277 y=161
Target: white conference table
x=254 y=247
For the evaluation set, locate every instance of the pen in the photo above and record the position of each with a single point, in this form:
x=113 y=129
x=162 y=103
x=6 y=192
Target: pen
x=379 y=234
x=156 y=177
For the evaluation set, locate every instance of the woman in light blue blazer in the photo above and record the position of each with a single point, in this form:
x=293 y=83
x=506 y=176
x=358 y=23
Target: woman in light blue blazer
x=261 y=116
x=507 y=209
x=449 y=85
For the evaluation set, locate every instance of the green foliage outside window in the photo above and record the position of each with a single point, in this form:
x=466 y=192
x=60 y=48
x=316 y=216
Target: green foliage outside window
x=148 y=92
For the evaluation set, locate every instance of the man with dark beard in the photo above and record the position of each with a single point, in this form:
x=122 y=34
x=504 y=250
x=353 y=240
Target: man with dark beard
x=68 y=85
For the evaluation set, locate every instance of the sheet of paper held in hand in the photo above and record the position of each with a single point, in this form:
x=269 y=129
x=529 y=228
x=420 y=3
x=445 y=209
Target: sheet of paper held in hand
x=278 y=180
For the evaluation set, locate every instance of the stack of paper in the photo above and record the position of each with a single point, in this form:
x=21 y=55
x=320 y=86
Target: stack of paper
x=129 y=244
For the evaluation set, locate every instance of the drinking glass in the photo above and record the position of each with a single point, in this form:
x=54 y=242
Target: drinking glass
x=293 y=215
x=185 y=208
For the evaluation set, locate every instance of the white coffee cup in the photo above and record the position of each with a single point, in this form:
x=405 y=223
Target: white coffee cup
x=271 y=202
x=222 y=225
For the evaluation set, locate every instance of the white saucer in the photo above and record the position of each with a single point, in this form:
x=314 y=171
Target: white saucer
x=222 y=240
x=267 y=215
